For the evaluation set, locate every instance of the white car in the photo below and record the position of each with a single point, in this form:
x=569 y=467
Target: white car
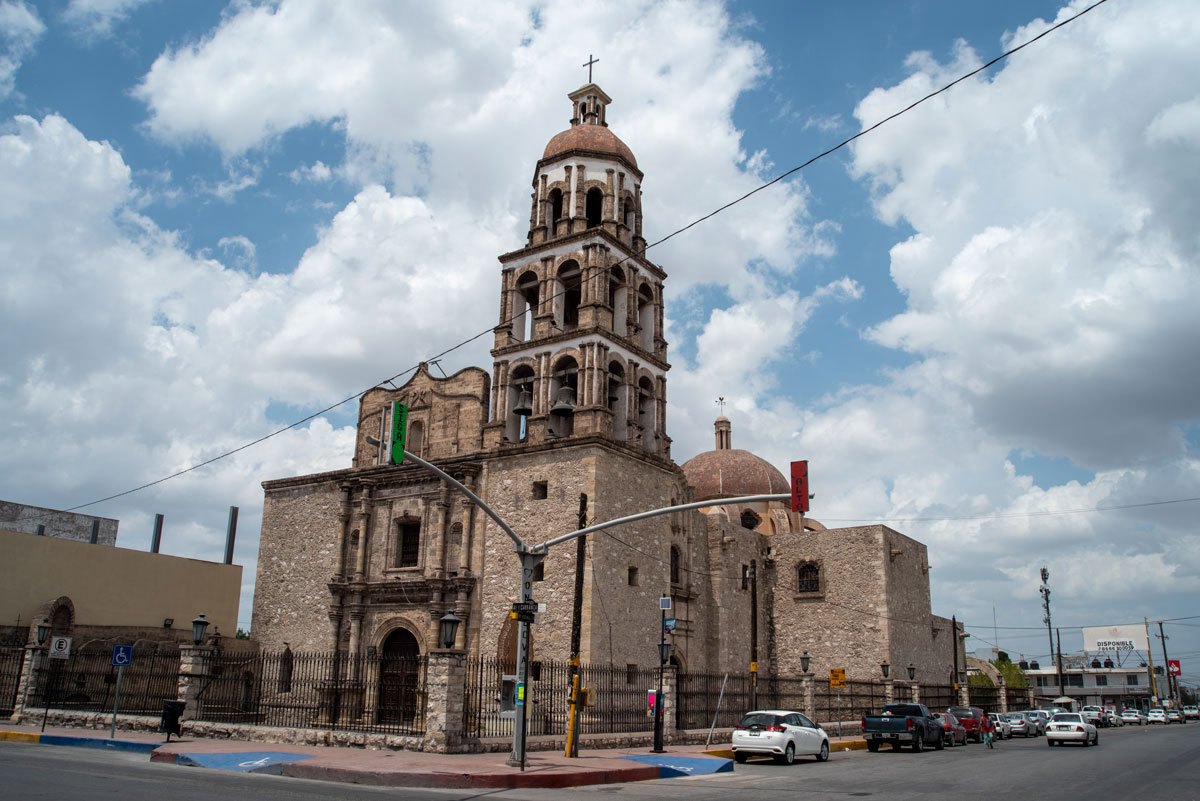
x=779 y=733
x=1133 y=716
x=1094 y=715
x=1071 y=727
x=1191 y=713
x=1003 y=730
x=1157 y=716
x=1114 y=718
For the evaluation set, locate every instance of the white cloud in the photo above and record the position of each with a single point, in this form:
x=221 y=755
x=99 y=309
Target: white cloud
x=240 y=251
x=317 y=172
x=96 y=18
x=20 y=28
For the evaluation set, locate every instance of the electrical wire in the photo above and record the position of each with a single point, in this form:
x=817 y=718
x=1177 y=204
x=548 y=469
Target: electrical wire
x=669 y=236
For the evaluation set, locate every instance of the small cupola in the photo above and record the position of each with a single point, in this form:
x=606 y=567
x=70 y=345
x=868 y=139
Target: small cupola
x=587 y=105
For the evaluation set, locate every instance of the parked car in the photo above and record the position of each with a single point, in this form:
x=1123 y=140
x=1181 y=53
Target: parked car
x=1003 y=730
x=1037 y=725
x=1114 y=718
x=1095 y=716
x=1191 y=713
x=1156 y=716
x=779 y=733
x=953 y=731
x=1133 y=716
x=903 y=724
x=969 y=717
x=1044 y=716
x=1174 y=716
x=1019 y=724
x=1071 y=727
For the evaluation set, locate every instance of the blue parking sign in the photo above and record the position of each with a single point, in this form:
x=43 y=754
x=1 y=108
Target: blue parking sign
x=122 y=655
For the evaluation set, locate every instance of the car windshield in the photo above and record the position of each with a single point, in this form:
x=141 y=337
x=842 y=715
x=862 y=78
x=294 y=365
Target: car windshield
x=759 y=720
x=961 y=712
x=1014 y=716
x=1067 y=717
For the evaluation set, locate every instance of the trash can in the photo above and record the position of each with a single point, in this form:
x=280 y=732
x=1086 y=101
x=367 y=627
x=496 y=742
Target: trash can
x=172 y=712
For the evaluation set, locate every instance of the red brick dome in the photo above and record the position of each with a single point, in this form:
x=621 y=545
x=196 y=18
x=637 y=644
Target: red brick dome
x=729 y=472
x=595 y=138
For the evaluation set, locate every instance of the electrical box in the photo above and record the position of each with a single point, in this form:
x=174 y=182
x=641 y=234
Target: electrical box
x=586 y=697
x=508 y=696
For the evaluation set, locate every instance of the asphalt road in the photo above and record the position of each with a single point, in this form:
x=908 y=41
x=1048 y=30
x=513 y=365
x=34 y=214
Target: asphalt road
x=1132 y=763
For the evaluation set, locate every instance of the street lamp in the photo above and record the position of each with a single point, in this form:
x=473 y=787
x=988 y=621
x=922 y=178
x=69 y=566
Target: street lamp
x=199 y=626
x=912 y=671
x=885 y=667
x=448 y=626
x=43 y=631
x=664 y=653
x=804 y=660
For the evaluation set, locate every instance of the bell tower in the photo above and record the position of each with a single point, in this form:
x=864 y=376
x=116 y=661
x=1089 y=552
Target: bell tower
x=579 y=350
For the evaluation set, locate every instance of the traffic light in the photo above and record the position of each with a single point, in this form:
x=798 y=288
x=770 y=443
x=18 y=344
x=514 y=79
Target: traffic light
x=399 y=429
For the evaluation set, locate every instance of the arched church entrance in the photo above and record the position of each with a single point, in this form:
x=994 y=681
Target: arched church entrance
x=399 y=678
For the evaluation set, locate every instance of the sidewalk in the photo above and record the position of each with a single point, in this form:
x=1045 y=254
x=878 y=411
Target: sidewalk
x=546 y=769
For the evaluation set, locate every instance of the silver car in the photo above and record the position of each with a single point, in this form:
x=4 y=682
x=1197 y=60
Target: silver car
x=779 y=733
x=1071 y=727
x=1019 y=724
x=1000 y=724
x=1036 y=722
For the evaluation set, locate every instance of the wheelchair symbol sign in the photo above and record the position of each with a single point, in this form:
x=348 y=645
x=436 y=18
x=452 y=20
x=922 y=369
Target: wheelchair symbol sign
x=122 y=655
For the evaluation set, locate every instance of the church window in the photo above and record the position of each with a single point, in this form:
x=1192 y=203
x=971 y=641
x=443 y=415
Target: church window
x=569 y=296
x=676 y=572
x=416 y=437
x=618 y=301
x=808 y=577
x=556 y=209
x=541 y=490
x=646 y=317
x=750 y=520
x=594 y=207
x=632 y=577
x=525 y=306
x=564 y=384
x=647 y=414
x=520 y=403
x=408 y=543
x=627 y=206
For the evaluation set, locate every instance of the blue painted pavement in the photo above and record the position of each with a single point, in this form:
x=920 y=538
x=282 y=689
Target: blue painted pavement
x=244 y=761
x=670 y=766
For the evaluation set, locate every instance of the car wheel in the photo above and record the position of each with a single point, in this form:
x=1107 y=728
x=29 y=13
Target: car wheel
x=740 y=757
x=872 y=746
x=941 y=743
x=918 y=742
x=1097 y=740
x=823 y=754
x=788 y=756
x=1050 y=743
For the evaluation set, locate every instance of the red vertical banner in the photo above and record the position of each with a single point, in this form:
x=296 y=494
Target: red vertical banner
x=1174 y=668
x=800 y=486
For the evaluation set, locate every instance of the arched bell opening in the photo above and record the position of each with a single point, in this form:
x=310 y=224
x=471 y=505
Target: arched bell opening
x=556 y=210
x=519 y=404
x=618 y=300
x=564 y=385
x=646 y=318
x=525 y=306
x=568 y=296
x=618 y=401
x=646 y=415
x=593 y=207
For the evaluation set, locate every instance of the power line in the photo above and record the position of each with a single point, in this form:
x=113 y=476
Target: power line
x=669 y=236
x=1003 y=515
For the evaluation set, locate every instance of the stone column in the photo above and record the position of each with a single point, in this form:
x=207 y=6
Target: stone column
x=194 y=675
x=364 y=526
x=915 y=690
x=810 y=699
x=440 y=509
x=670 y=702
x=1003 y=694
x=889 y=692
x=445 y=684
x=35 y=657
x=343 y=529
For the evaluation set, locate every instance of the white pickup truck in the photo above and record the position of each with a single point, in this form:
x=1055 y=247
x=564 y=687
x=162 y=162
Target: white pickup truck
x=1095 y=716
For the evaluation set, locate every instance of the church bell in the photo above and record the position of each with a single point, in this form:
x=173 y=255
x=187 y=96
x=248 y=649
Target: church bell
x=524 y=405
x=565 y=403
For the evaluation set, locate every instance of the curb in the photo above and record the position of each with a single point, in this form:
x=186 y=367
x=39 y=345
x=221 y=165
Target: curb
x=493 y=781
x=844 y=745
x=79 y=742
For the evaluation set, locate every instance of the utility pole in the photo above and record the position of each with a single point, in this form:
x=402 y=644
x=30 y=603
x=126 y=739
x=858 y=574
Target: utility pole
x=1171 y=691
x=1150 y=658
x=576 y=629
x=954 y=645
x=1058 y=634
x=753 y=634
x=1045 y=591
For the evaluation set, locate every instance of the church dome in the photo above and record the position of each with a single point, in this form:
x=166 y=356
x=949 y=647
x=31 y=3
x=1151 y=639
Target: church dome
x=595 y=138
x=728 y=472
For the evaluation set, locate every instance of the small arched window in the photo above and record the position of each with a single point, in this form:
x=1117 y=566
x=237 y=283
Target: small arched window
x=808 y=577
x=676 y=571
x=594 y=207
x=556 y=208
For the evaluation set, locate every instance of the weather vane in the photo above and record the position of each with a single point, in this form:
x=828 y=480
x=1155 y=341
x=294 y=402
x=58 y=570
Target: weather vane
x=721 y=402
x=591 y=60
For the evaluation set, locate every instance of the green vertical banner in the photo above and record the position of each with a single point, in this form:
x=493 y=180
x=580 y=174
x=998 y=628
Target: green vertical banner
x=399 y=427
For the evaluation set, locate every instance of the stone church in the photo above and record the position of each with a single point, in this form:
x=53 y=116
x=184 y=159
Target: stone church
x=571 y=417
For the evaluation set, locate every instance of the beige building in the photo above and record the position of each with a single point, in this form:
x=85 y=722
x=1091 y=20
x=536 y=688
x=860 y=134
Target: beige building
x=573 y=416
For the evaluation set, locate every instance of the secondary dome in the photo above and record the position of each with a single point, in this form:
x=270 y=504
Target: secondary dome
x=730 y=472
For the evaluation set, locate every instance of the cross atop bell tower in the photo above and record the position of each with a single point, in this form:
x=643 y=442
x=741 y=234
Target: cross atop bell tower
x=579 y=350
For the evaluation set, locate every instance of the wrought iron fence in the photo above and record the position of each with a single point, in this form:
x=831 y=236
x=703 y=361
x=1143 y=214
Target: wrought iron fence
x=11 y=662
x=373 y=693
x=1018 y=698
x=986 y=698
x=703 y=697
x=87 y=680
x=939 y=697
x=856 y=699
x=618 y=698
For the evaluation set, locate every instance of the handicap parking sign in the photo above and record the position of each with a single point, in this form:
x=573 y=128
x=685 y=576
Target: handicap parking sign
x=122 y=655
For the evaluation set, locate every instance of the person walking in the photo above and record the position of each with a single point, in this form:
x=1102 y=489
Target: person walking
x=989 y=730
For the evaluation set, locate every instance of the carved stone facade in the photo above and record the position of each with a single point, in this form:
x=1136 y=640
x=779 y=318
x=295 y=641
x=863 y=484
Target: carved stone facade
x=574 y=412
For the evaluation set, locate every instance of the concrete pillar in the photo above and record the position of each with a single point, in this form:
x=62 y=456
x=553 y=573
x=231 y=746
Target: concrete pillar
x=670 y=702
x=194 y=674
x=810 y=699
x=889 y=692
x=27 y=684
x=1003 y=694
x=915 y=690
x=445 y=683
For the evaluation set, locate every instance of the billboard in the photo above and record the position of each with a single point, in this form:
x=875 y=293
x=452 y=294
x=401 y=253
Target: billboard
x=1114 y=638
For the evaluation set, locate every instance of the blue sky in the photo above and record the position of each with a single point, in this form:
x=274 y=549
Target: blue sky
x=216 y=220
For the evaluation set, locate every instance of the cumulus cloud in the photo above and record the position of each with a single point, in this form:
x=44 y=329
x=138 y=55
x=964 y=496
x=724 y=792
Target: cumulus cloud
x=96 y=18
x=20 y=28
